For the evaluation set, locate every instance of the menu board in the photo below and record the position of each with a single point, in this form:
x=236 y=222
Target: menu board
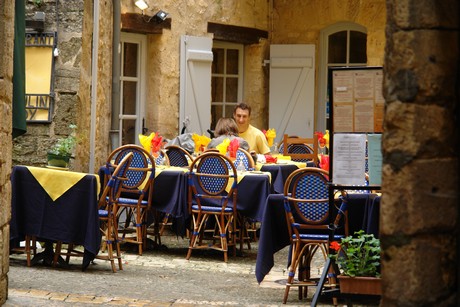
x=357 y=100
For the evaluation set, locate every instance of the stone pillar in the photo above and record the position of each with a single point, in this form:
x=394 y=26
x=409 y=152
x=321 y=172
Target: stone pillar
x=6 y=94
x=419 y=213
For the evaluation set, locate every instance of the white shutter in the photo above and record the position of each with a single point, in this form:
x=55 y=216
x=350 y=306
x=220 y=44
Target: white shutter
x=195 y=83
x=291 y=98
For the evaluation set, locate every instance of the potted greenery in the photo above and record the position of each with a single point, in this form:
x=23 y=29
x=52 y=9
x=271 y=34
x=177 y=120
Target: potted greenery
x=358 y=258
x=59 y=155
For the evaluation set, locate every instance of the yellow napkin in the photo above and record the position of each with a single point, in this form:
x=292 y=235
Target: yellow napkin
x=55 y=182
x=146 y=141
x=201 y=141
x=222 y=147
x=270 y=135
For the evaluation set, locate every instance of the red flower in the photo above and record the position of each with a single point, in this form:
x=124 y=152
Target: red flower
x=335 y=246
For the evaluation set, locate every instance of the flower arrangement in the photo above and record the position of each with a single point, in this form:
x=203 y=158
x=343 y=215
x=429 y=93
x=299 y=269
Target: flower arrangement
x=65 y=146
x=358 y=255
x=152 y=143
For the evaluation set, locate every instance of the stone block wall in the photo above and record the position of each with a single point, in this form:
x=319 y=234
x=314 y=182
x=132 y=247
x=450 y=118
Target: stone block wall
x=65 y=18
x=6 y=96
x=419 y=209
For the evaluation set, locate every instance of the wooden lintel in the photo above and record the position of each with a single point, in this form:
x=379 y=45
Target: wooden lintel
x=236 y=34
x=138 y=23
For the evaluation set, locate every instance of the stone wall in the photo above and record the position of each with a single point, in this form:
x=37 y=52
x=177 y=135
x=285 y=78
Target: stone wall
x=6 y=96
x=65 y=18
x=419 y=209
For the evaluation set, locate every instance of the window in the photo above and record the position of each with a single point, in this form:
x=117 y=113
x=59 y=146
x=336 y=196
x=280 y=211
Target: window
x=226 y=79
x=341 y=45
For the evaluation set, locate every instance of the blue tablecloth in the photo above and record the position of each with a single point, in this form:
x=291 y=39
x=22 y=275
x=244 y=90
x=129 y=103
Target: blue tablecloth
x=71 y=218
x=279 y=174
x=274 y=235
x=170 y=190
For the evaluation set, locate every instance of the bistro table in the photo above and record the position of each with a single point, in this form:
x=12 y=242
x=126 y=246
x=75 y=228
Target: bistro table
x=170 y=190
x=274 y=234
x=55 y=205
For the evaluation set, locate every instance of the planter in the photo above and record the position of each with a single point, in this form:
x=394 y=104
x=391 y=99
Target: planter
x=58 y=160
x=360 y=285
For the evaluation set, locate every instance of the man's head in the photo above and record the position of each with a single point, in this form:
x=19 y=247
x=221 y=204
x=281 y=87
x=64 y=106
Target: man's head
x=242 y=116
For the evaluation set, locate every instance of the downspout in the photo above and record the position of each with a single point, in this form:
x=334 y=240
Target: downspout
x=94 y=70
x=115 y=112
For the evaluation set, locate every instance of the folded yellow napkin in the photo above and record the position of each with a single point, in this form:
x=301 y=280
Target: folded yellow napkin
x=55 y=182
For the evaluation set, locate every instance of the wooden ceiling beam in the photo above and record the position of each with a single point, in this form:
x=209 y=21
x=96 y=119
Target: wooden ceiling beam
x=236 y=34
x=138 y=23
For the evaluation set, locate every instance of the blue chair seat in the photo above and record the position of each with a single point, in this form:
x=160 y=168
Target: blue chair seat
x=212 y=209
x=310 y=236
x=132 y=201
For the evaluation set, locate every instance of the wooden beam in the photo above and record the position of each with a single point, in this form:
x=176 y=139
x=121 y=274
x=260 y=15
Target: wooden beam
x=138 y=23
x=236 y=34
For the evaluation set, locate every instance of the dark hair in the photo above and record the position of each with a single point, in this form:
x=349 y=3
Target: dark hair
x=226 y=126
x=242 y=106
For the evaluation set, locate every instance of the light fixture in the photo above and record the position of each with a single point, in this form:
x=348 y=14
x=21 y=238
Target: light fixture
x=159 y=17
x=141 y=5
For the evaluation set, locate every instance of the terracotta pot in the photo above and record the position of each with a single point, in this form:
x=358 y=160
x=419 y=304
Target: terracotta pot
x=360 y=285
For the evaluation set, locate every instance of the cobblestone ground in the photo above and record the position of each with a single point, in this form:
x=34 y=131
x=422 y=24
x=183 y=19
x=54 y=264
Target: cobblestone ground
x=160 y=277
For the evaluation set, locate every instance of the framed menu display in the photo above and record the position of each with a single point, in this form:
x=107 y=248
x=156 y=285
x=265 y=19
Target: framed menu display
x=355 y=126
x=357 y=100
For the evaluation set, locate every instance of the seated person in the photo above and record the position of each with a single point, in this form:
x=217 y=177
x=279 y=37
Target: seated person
x=255 y=138
x=226 y=128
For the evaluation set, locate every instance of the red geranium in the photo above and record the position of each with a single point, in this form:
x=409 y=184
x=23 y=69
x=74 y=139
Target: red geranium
x=335 y=246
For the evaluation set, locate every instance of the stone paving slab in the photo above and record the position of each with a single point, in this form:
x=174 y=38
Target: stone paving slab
x=160 y=277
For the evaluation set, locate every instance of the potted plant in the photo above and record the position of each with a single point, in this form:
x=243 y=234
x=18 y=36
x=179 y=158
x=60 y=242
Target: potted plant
x=358 y=258
x=59 y=155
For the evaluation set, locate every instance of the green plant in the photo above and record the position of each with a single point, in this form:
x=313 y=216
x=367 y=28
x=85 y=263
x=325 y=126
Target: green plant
x=65 y=146
x=358 y=255
x=38 y=3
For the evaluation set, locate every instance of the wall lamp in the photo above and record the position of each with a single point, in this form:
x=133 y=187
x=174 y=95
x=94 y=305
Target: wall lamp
x=159 y=17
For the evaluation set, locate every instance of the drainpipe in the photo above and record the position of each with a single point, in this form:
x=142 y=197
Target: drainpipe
x=94 y=65
x=115 y=122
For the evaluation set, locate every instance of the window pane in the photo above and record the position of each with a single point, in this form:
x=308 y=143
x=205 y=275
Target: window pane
x=218 y=60
x=130 y=60
x=231 y=87
x=338 y=47
x=216 y=113
x=229 y=110
x=232 y=61
x=358 y=42
x=217 y=89
x=129 y=97
x=129 y=131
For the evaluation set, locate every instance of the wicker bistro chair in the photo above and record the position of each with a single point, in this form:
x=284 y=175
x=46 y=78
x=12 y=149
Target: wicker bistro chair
x=306 y=204
x=299 y=149
x=135 y=201
x=107 y=215
x=107 y=219
x=245 y=157
x=209 y=178
x=178 y=156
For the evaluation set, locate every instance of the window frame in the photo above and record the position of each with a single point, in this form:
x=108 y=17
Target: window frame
x=322 y=100
x=223 y=104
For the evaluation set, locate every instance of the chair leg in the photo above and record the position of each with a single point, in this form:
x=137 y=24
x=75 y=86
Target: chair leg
x=292 y=269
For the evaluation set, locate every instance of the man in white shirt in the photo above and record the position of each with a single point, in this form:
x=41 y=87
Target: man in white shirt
x=255 y=138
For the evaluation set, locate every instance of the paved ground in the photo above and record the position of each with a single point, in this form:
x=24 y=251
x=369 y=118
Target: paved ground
x=160 y=277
